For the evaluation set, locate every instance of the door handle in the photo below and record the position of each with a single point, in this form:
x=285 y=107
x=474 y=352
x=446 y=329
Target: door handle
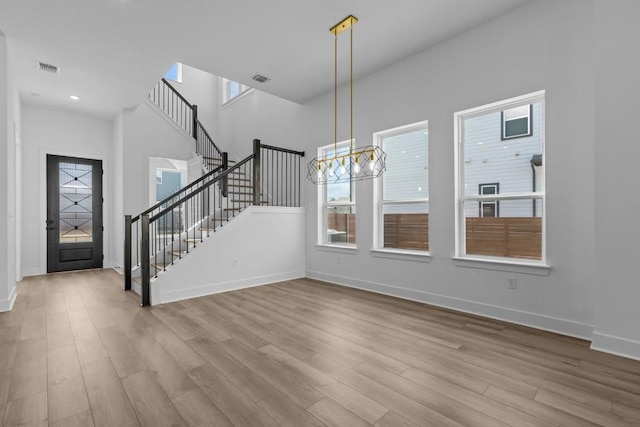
x=50 y=228
x=49 y=221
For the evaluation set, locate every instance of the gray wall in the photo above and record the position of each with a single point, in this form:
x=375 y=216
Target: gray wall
x=433 y=85
x=617 y=58
x=47 y=131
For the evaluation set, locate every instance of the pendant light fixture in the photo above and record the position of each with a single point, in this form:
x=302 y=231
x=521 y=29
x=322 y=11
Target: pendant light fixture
x=357 y=163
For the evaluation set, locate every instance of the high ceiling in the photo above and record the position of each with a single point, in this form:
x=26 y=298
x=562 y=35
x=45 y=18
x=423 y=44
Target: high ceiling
x=111 y=52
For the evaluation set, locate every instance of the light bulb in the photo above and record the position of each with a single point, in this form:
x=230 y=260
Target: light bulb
x=331 y=169
x=371 y=162
x=356 y=166
x=343 y=169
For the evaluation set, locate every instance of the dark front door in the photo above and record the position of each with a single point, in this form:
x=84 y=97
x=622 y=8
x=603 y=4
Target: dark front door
x=74 y=213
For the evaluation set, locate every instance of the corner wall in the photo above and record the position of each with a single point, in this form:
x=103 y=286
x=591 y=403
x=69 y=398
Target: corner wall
x=617 y=185
x=10 y=151
x=473 y=69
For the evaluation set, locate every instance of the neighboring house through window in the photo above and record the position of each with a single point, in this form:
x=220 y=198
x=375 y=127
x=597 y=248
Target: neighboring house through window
x=516 y=122
x=489 y=208
x=500 y=187
x=402 y=192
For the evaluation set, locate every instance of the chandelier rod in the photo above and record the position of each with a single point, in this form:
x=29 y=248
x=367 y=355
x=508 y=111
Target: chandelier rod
x=335 y=95
x=351 y=85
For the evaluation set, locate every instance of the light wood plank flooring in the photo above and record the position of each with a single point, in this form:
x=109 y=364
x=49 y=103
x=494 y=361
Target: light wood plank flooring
x=78 y=351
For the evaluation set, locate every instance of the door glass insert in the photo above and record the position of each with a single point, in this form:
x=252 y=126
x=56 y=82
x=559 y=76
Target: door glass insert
x=76 y=201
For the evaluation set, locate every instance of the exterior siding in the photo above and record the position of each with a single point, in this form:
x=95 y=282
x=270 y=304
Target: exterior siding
x=488 y=159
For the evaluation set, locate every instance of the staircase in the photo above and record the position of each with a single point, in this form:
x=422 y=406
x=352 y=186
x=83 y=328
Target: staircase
x=168 y=231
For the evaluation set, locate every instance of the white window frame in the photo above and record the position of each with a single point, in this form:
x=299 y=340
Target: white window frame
x=379 y=202
x=323 y=204
x=226 y=91
x=460 y=198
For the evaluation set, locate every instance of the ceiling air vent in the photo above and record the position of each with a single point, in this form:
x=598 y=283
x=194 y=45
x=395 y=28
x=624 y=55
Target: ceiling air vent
x=260 y=78
x=48 y=68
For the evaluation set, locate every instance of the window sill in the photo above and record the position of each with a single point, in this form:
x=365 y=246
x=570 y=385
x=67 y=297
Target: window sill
x=498 y=264
x=405 y=255
x=337 y=248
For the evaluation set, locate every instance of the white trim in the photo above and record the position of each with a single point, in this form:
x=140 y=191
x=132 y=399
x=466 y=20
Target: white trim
x=513 y=265
x=402 y=254
x=519 y=317
x=7 y=304
x=215 y=288
x=459 y=194
x=337 y=248
x=616 y=345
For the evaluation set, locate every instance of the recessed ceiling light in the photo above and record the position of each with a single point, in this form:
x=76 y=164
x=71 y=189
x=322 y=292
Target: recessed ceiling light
x=75 y=98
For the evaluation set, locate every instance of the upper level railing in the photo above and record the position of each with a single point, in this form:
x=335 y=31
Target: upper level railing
x=280 y=170
x=165 y=232
x=185 y=115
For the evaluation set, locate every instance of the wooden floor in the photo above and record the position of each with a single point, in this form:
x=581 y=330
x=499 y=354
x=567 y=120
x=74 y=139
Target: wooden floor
x=78 y=351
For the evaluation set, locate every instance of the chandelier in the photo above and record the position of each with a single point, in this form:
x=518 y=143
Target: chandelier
x=355 y=163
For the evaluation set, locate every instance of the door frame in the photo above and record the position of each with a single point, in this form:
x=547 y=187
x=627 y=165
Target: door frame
x=54 y=247
x=42 y=200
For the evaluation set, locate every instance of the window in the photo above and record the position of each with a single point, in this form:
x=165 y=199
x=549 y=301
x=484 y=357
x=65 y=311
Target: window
x=489 y=208
x=402 y=192
x=232 y=90
x=500 y=187
x=337 y=203
x=516 y=122
x=174 y=73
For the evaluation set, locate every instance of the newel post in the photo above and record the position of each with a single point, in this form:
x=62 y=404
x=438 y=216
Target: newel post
x=256 y=172
x=225 y=179
x=145 y=261
x=127 y=252
x=194 y=128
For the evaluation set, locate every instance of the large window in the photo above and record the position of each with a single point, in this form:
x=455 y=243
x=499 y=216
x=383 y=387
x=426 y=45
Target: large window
x=232 y=90
x=500 y=188
x=337 y=204
x=402 y=192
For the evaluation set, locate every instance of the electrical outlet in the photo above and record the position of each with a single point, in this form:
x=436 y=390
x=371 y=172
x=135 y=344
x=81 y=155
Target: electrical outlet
x=235 y=262
x=512 y=283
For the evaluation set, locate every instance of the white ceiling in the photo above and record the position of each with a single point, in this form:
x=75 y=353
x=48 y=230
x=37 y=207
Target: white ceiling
x=111 y=52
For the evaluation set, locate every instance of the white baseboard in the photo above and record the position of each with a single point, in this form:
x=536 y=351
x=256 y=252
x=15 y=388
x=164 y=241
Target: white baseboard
x=616 y=345
x=7 y=304
x=538 y=321
x=33 y=271
x=159 y=297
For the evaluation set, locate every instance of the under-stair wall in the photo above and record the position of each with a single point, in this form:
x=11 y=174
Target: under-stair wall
x=262 y=245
